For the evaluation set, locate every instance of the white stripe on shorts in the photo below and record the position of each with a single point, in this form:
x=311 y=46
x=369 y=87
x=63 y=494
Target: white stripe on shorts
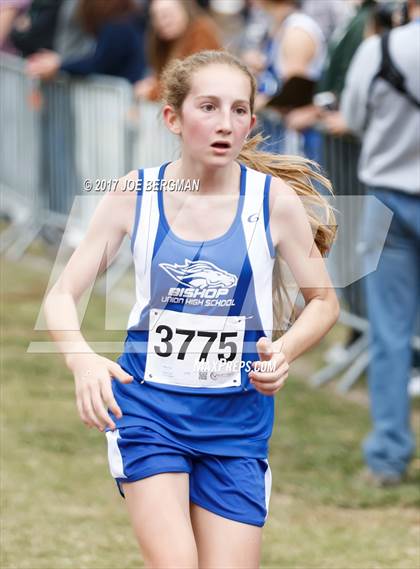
x=267 y=483
x=114 y=454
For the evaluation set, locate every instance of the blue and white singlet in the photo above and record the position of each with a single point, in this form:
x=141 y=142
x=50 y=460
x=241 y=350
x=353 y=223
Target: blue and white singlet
x=200 y=308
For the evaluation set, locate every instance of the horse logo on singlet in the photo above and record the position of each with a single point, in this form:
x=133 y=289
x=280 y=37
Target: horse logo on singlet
x=200 y=275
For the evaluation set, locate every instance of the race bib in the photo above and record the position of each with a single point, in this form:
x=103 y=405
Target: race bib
x=194 y=350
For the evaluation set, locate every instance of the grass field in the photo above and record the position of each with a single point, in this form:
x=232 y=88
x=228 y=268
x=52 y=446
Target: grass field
x=60 y=508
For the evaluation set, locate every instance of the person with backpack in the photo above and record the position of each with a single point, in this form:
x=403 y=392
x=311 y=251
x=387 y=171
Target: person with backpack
x=381 y=103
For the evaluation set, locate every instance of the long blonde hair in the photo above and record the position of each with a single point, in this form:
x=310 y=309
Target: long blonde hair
x=300 y=173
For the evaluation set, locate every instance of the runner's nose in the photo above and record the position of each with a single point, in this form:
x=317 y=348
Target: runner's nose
x=225 y=123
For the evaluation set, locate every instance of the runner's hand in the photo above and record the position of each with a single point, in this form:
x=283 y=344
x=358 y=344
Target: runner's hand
x=277 y=368
x=92 y=376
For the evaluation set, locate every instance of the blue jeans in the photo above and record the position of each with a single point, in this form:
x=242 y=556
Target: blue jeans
x=392 y=295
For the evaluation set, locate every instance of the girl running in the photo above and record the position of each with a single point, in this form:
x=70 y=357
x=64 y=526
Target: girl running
x=188 y=409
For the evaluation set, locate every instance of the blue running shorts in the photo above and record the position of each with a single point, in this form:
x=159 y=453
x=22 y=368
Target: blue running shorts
x=236 y=488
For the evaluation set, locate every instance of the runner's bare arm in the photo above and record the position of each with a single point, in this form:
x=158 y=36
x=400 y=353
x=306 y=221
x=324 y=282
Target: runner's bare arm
x=293 y=237
x=111 y=221
x=109 y=224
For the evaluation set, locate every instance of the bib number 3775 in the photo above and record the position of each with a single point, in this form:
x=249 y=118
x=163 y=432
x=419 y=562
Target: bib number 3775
x=194 y=350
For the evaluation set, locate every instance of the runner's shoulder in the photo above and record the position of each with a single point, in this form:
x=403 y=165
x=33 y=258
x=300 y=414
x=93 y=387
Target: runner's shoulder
x=127 y=184
x=283 y=198
x=118 y=204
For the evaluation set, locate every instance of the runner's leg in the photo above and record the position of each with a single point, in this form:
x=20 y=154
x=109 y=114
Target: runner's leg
x=225 y=543
x=159 y=510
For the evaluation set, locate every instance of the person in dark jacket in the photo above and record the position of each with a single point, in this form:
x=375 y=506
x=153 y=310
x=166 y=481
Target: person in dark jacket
x=119 y=48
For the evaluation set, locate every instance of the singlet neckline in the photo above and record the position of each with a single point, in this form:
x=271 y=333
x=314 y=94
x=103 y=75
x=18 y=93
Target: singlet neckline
x=228 y=232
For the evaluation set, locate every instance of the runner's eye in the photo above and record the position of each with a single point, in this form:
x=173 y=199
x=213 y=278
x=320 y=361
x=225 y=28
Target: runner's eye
x=207 y=107
x=242 y=110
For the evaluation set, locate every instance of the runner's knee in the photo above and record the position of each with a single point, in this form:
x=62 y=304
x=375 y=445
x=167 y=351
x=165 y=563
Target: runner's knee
x=177 y=561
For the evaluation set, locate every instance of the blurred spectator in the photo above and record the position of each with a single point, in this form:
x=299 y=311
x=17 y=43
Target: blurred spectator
x=330 y=15
x=11 y=12
x=383 y=108
x=341 y=50
x=119 y=50
x=386 y=14
x=49 y=24
x=295 y=47
x=343 y=46
x=30 y=25
x=71 y=41
x=177 y=29
x=229 y=16
x=256 y=30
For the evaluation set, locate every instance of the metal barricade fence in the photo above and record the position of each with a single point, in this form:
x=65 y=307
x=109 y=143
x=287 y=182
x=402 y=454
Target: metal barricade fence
x=19 y=147
x=54 y=137
x=57 y=134
x=340 y=157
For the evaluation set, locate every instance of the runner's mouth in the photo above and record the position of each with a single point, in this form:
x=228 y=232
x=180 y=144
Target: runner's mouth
x=221 y=145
